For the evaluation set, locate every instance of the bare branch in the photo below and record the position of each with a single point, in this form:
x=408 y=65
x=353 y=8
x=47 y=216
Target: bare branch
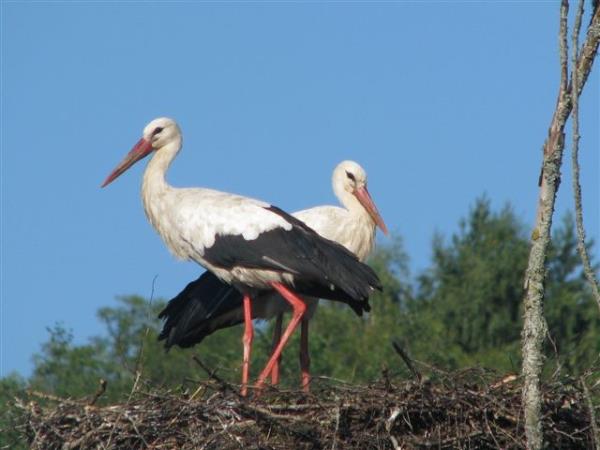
x=588 y=51
x=587 y=267
x=398 y=348
x=564 y=48
x=584 y=67
x=534 y=325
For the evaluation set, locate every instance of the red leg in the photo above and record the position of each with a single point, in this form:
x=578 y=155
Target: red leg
x=304 y=357
x=276 y=339
x=299 y=307
x=247 y=340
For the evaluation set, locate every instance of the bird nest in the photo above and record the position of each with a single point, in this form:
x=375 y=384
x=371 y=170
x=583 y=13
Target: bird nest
x=468 y=409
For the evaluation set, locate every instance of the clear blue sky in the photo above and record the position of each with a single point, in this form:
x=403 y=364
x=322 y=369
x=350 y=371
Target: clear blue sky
x=439 y=101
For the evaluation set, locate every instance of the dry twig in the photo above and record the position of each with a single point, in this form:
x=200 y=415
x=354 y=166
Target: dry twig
x=467 y=409
x=398 y=348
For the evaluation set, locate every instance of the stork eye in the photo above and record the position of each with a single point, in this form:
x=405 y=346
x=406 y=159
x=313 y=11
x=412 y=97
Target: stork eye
x=157 y=130
x=351 y=176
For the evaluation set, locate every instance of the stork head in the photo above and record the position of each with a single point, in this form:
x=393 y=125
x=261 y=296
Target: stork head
x=157 y=135
x=350 y=185
x=161 y=131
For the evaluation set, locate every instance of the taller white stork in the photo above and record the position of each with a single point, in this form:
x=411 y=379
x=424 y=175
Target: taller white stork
x=206 y=304
x=247 y=243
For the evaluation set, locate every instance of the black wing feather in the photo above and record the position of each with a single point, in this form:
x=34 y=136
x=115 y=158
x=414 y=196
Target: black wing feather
x=319 y=262
x=207 y=304
x=204 y=306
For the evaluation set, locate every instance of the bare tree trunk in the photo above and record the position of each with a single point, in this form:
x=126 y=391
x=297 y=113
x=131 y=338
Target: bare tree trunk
x=534 y=326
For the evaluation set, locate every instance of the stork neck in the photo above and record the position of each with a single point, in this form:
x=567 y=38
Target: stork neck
x=351 y=203
x=154 y=176
x=359 y=227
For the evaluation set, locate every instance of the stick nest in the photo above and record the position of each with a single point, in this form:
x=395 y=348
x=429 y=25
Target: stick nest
x=468 y=409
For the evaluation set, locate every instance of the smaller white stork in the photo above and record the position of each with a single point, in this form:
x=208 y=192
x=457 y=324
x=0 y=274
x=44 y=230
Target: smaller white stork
x=247 y=243
x=206 y=304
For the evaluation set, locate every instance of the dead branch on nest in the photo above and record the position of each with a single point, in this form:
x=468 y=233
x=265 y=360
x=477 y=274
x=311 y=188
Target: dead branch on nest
x=469 y=409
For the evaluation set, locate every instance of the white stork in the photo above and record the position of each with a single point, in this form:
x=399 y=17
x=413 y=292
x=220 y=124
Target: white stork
x=207 y=305
x=247 y=243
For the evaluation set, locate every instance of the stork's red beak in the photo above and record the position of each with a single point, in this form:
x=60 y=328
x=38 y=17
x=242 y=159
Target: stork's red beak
x=363 y=196
x=140 y=150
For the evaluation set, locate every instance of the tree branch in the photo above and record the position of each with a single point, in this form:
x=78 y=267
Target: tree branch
x=589 y=50
x=534 y=325
x=587 y=267
x=398 y=348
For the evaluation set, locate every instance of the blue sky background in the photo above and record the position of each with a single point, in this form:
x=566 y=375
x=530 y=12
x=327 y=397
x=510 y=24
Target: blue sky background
x=439 y=101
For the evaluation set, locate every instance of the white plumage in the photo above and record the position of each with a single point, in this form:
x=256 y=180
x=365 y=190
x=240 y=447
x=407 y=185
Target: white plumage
x=190 y=219
x=204 y=307
x=244 y=242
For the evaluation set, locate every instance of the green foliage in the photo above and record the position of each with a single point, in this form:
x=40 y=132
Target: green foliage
x=468 y=306
x=464 y=310
x=69 y=370
x=11 y=387
x=474 y=288
x=572 y=314
x=130 y=347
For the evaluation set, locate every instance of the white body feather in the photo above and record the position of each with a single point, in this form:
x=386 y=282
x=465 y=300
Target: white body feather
x=189 y=219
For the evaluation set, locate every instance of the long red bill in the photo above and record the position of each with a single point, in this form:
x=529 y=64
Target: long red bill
x=140 y=150
x=363 y=196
